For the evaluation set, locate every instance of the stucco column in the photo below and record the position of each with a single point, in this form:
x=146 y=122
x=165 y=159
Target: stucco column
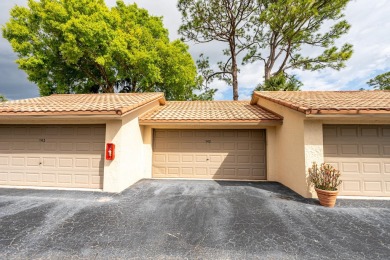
x=147 y=137
x=111 y=176
x=314 y=149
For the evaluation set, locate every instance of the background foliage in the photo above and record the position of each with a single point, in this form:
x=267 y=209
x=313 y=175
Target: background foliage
x=381 y=81
x=82 y=46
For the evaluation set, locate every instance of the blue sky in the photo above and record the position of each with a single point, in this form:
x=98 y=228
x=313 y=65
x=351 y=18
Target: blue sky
x=369 y=34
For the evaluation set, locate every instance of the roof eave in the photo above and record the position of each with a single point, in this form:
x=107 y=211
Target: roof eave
x=320 y=113
x=26 y=116
x=212 y=122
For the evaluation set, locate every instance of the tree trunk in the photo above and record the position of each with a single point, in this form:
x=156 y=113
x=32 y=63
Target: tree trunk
x=267 y=73
x=234 y=69
x=235 y=81
x=133 y=85
x=109 y=88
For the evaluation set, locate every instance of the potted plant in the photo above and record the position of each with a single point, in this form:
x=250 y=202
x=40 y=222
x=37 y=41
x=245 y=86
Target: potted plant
x=325 y=180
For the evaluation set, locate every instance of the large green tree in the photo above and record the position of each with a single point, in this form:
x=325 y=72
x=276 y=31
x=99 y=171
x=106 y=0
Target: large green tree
x=381 y=81
x=218 y=20
x=82 y=46
x=279 y=33
x=2 y=98
x=289 y=28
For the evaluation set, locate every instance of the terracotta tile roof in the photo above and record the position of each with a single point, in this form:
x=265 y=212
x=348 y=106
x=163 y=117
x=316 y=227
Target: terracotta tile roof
x=208 y=111
x=330 y=102
x=69 y=104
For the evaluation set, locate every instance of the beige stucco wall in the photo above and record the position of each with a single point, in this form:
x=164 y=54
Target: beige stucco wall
x=297 y=143
x=271 y=154
x=147 y=150
x=132 y=148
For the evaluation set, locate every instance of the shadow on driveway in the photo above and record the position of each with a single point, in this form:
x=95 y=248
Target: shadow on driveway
x=176 y=219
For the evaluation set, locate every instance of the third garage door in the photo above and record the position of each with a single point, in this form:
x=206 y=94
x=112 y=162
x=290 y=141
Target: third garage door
x=209 y=154
x=362 y=154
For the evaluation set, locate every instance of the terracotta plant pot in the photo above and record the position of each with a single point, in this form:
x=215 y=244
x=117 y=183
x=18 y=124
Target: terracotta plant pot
x=327 y=198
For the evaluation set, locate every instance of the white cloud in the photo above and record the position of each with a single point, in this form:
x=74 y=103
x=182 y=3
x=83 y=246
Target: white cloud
x=246 y=96
x=251 y=75
x=223 y=89
x=370 y=37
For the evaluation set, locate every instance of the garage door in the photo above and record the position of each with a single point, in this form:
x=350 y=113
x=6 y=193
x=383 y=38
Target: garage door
x=362 y=154
x=68 y=156
x=209 y=154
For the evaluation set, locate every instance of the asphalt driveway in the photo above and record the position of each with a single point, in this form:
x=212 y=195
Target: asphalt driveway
x=157 y=219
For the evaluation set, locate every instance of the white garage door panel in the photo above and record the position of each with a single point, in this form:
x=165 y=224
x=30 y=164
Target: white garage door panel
x=209 y=154
x=362 y=154
x=52 y=155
